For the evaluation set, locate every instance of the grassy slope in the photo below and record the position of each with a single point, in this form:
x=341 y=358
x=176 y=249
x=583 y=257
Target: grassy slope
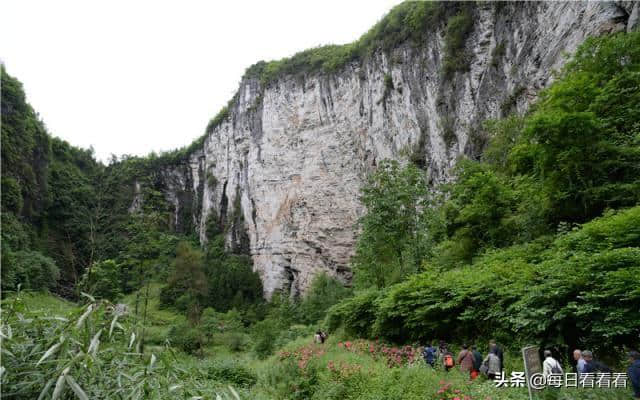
x=356 y=374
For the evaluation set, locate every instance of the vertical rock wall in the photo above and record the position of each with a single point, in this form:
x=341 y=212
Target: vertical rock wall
x=281 y=176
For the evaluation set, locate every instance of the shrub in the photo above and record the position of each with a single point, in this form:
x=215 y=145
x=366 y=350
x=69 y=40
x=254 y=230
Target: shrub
x=357 y=314
x=542 y=291
x=265 y=334
x=11 y=195
x=322 y=294
x=30 y=270
x=232 y=372
x=455 y=57
x=186 y=338
x=102 y=280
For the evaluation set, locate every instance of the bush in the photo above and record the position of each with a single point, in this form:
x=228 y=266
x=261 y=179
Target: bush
x=322 y=294
x=455 y=57
x=357 y=314
x=102 y=280
x=30 y=270
x=574 y=289
x=213 y=321
x=186 y=338
x=11 y=195
x=232 y=372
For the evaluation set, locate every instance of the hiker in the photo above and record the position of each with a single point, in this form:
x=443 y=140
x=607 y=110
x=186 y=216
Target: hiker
x=447 y=359
x=577 y=356
x=634 y=373
x=591 y=365
x=494 y=345
x=550 y=366
x=429 y=355
x=491 y=364
x=319 y=337
x=323 y=336
x=465 y=360
x=477 y=362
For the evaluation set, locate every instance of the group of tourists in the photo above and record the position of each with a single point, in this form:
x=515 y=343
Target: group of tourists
x=469 y=359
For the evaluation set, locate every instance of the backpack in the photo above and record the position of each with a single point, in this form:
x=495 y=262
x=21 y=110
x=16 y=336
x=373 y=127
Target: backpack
x=448 y=360
x=556 y=369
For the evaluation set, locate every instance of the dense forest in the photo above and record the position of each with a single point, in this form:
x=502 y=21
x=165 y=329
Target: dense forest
x=537 y=242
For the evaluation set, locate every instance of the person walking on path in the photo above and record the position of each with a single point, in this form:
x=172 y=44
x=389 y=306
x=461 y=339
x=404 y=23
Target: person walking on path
x=550 y=366
x=477 y=362
x=491 y=364
x=634 y=373
x=577 y=356
x=465 y=359
x=498 y=352
x=429 y=354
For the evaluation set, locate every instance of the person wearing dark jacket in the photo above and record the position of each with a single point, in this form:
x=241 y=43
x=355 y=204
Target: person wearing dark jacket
x=498 y=351
x=477 y=362
x=634 y=373
x=429 y=353
x=591 y=365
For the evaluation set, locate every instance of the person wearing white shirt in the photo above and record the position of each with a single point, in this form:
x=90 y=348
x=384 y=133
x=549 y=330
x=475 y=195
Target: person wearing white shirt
x=580 y=363
x=550 y=365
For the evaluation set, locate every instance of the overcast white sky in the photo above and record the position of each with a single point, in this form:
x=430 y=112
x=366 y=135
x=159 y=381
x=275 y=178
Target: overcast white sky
x=129 y=77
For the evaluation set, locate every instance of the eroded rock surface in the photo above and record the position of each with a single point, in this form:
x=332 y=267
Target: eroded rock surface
x=283 y=173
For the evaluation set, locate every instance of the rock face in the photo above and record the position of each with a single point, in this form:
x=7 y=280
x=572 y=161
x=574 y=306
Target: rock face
x=283 y=172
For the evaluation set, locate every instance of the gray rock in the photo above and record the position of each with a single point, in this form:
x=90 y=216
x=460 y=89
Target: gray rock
x=289 y=162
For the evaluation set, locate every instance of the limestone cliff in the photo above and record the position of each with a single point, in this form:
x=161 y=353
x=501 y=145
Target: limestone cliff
x=281 y=174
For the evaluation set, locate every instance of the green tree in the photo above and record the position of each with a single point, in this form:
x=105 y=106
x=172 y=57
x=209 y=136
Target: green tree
x=393 y=239
x=323 y=293
x=188 y=274
x=102 y=280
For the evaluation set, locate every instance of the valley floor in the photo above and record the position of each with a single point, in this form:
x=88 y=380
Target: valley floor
x=300 y=369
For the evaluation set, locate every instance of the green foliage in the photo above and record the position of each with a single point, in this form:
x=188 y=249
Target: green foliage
x=217 y=120
x=213 y=321
x=582 y=140
x=31 y=269
x=231 y=279
x=232 y=372
x=265 y=333
x=496 y=54
x=409 y=21
x=11 y=195
x=189 y=279
x=47 y=191
x=393 y=241
x=455 y=56
x=186 y=337
x=578 y=289
x=54 y=349
x=323 y=293
x=102 y=280
x=357 y=314
x=227 y=281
